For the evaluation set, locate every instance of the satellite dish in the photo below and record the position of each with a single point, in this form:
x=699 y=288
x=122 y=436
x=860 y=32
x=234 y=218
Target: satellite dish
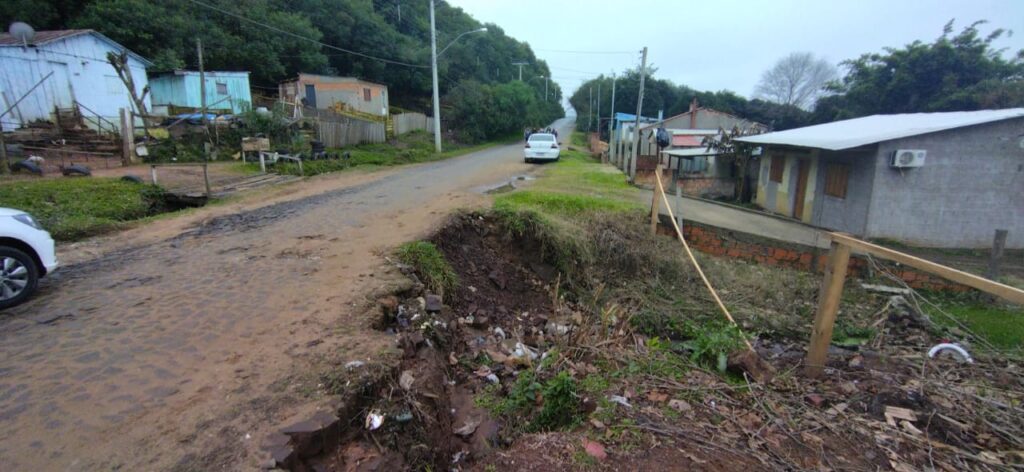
x=22 y=31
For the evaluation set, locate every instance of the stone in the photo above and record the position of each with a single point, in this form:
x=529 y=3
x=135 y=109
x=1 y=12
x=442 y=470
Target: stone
x=594 y=449
x=747 y=361
x=815 y=399
x=406 y=379
x=302 y=427
x=681 y=406
x=275 y=439
x=433 y=303
x=497 y=279
x=282 y=455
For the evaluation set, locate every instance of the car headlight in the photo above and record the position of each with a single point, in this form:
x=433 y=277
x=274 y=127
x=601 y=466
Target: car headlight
x=27 y=219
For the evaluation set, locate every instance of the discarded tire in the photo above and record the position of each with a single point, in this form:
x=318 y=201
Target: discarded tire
x=76 y=170
x=133 y=179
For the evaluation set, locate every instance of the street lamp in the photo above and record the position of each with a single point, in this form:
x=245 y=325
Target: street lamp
x=433 y=71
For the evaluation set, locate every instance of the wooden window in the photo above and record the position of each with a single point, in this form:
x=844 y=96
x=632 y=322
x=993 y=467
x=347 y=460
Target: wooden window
x=836 y=177
x=778 y=166
x=366 y=94
x=222 y=88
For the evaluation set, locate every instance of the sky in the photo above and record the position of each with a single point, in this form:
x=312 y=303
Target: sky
x=726 y=44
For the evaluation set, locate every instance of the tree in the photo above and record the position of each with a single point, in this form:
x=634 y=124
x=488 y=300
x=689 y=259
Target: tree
x=798 y=79
x=961 y=72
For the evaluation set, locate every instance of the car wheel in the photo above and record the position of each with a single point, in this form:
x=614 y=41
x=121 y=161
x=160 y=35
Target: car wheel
x=18 y=277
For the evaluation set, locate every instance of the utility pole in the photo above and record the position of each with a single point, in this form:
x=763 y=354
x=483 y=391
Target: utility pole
x=639 y=108
x=599 y=111
x=611 y=124
x=546 y=88
x=202 y=82
x=433 y=71
x=520 y=64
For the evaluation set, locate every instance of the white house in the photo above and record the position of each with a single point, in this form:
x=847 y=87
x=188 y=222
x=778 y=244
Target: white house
x=81 y=76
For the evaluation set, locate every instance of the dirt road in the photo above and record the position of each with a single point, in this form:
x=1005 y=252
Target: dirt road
x=171 y=353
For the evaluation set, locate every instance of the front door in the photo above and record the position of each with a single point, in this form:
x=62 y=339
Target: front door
x=803 y=172
x=311 y=95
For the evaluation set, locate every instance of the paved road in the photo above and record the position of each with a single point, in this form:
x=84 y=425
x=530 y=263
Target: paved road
x=152 y=357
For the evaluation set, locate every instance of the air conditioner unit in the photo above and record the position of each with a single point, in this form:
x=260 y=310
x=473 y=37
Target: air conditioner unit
x=908 y=158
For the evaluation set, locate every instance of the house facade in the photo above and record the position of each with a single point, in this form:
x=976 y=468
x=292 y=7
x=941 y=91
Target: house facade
x=82 y=78
x=338 y=93
x=181 y=91
x=962 y=177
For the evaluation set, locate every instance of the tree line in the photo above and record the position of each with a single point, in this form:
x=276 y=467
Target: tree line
x=955 y=72
x=165 y=32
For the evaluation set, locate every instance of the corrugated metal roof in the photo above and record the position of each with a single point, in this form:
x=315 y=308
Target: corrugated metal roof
x=848 y=134
x=692 y=152
x=687 y=141
x=42 y=37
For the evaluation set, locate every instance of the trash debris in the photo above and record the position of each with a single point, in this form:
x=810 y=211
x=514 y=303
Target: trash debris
x=620 y=400
x=403 y=417
x=499 y=332
x=469 y=428
x=458 y=456
x=354 y=365
x=893 y=413
x=958 y=352
x=492 y=378
x=373 y=420
x=406 y=379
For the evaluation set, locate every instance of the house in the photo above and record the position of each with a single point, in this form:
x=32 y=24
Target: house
x=82 y=78
x=697 y=117
x=621 y=138
x=181 y=91
x=928 y=179
x=337 y=93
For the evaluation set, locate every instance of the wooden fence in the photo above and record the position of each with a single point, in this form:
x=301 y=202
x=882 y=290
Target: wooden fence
x=406 y=122
x=344 y=131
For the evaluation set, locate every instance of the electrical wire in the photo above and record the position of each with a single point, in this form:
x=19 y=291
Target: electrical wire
x=304 y=38
x=566 y=51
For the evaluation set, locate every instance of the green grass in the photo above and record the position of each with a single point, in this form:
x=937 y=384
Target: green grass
x=72 y=209
x=428 y=261
x=1001 y=325
x=410 y=148
x=579 y=138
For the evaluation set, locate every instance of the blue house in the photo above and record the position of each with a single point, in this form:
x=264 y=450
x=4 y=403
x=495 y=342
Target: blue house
x=179 y=92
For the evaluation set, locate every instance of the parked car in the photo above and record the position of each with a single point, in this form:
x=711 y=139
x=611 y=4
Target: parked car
x=541 y=147
x=26 y=255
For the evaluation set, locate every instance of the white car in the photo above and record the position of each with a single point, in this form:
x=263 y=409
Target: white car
x=541 y=147
x=26 y=255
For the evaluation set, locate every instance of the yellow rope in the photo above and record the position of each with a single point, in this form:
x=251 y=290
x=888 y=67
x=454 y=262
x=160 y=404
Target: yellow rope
x=679 y=234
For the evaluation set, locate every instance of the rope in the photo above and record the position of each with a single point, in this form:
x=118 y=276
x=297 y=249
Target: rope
x=714 y=294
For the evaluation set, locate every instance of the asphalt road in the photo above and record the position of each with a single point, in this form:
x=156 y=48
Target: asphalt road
x=172 y=353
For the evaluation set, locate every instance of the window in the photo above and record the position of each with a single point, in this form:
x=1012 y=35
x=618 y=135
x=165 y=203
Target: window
x=366 y=94
x=836 y=176
x=778 y=165
x=222 y=88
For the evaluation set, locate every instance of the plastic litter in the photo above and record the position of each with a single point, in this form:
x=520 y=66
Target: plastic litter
x=492 y=378
x=373 y=420
x=403 y=417
x=621 y=400
x=354 y=364
x=959 y=353
x=499 y=332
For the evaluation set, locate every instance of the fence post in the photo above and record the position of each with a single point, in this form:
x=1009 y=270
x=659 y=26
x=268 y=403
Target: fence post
x=263 y=163
x=828 y=304
x=656 y=202
x=152 y=173
x=206 y=180
x=127 y=136
x=996 y=258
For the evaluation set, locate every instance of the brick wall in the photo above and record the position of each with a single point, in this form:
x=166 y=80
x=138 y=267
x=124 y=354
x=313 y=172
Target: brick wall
x=726 y=243
x=707 y=187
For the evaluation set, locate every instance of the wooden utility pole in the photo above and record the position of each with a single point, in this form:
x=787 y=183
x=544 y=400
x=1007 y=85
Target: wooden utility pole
x=611 y=125
x=639 y=108
x=598 y=128
x=202 y=82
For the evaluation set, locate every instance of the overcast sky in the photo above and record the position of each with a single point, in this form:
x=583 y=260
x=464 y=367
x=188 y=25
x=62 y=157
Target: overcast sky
x=716 y=45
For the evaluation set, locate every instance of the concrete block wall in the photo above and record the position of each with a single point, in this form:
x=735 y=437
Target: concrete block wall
x=971 y=184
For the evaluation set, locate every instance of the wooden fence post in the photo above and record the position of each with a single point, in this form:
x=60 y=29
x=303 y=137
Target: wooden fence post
x=828 y=304
x=996 y=258
x=206 y=180
x=152 y=173
x=656 y=201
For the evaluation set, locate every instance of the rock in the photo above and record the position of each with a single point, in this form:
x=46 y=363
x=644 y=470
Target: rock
x=597 y=423
x=746 y=361
x=848 y=388
x=433 y=303
x=814 y=399
x=468 y=429
x=497 y=279
x=657 y=397
x=680 y=405
x=480 y=322
x=856 y=362
x=406 y=379
x=594 y=449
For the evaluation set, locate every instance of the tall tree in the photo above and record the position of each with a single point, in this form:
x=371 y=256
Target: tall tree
x=798 y=79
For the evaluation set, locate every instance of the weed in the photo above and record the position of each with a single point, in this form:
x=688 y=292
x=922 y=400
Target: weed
x=594 y=384
x=561 y=404
x=430 y=264
x=714 y=342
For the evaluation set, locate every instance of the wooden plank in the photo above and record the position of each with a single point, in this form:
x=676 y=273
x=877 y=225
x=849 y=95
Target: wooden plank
x=828 y=305
x=656 y=202
x=988 y=286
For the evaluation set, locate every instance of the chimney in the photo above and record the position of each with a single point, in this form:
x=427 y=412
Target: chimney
x=693 y=113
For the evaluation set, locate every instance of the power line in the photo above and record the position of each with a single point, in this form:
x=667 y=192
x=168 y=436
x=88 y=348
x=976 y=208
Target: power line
x=298 y=36
x=566 y=51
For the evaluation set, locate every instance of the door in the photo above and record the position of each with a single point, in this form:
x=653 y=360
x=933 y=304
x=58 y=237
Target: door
x=60 y=85
x=311 y=95
x=803 y=171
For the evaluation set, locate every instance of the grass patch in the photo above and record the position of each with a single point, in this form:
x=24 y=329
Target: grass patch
x=559 y=394
x=579 y=138
x=410 y=148
x=1002 y=325
x=72 y=209
x=431 y=265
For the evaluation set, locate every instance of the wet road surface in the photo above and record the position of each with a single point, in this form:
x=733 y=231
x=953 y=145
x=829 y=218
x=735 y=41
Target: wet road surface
x=129 y=360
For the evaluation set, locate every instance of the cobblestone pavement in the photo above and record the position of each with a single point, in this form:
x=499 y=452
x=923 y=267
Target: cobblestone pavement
x=125 y=360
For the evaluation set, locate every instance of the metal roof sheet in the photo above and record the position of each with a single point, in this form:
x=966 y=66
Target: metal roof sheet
x=41 y=37
x=691 y=152
x=848 y=134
